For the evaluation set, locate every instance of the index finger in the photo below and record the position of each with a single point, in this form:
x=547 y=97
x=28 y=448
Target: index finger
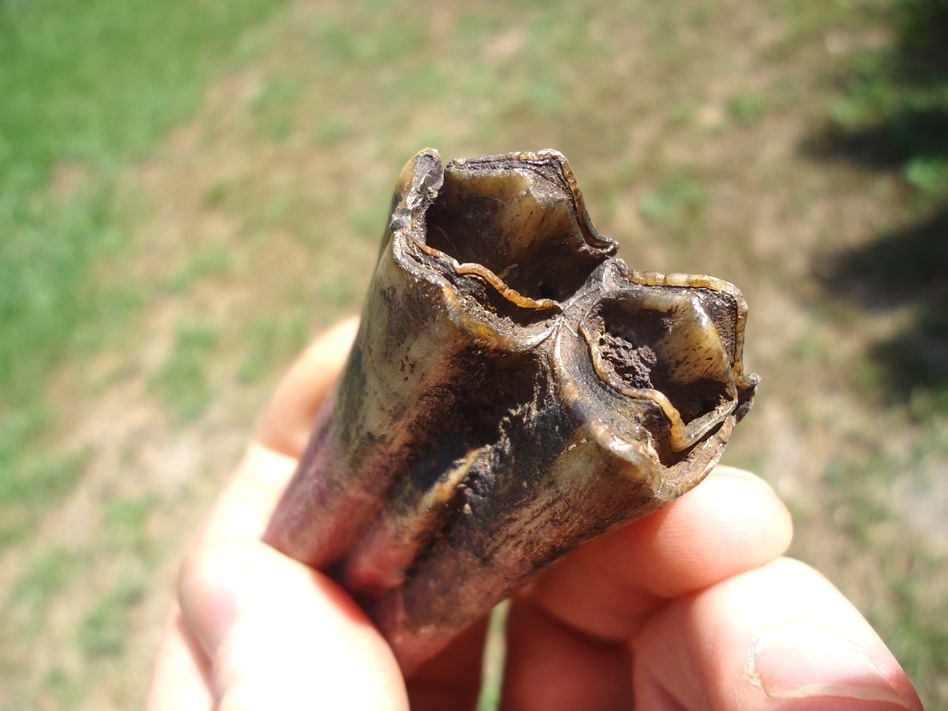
x=574 y=623
x=286 y=423
x=245 y=506
x=731 y=523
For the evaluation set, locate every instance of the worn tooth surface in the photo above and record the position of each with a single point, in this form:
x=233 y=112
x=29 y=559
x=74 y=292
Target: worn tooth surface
x=513 y=391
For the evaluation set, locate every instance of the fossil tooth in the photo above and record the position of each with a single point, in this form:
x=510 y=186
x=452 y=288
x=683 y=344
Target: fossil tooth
x=514 y=391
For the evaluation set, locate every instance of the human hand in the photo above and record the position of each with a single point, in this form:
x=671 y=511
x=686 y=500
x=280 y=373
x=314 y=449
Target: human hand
x=689 y=608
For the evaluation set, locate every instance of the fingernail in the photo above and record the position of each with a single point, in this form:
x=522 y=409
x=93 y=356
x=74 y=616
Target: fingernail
x=795 y=661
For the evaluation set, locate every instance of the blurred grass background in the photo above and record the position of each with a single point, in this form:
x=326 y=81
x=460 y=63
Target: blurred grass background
x=190 y=190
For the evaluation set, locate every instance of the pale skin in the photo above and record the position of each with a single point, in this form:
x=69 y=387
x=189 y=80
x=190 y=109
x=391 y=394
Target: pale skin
x=693 y=608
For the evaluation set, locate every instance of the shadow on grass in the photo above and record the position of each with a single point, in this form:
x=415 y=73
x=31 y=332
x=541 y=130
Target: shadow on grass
x=895 y=118
x=906 y=135
x=908 y=267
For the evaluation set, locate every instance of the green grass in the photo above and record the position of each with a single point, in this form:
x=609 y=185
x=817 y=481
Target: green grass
x=213 y=262
x=105 y=629
x=49 y=576
x=182 y=381
x=125 y=523
x=898 y=97
x=678 y=204
x=87 y=88
x=893 y=116
x=271 y=341
x=30 y=478
x=58 y=578
x=495 y=651
x=746 y=107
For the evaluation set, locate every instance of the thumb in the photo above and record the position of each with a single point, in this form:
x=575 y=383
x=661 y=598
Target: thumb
x=281 y=635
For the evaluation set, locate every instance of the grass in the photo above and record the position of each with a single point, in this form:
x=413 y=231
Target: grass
x=182 y=381
x=105 y=629
x=896 y=98
x=678 y=203
x=32 y=478
x=188 y=191
x=50 y=575
x=272 y=341
x=111 y=81
x=214 y=262
x=746 y=107
x=87 y=88
x=494 y=652
x=126 y=522
x=894 y=116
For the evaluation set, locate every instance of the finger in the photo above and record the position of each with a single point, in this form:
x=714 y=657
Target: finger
x=244 y=508
x=280 y=635
x=552 y=666
x=449 y=681
x=181 y=676
x=286 y=424
x=247 y=503
x=181 y=679
x=597 y=599
x=779 y=637
x=730 y=523
x=452 y=680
